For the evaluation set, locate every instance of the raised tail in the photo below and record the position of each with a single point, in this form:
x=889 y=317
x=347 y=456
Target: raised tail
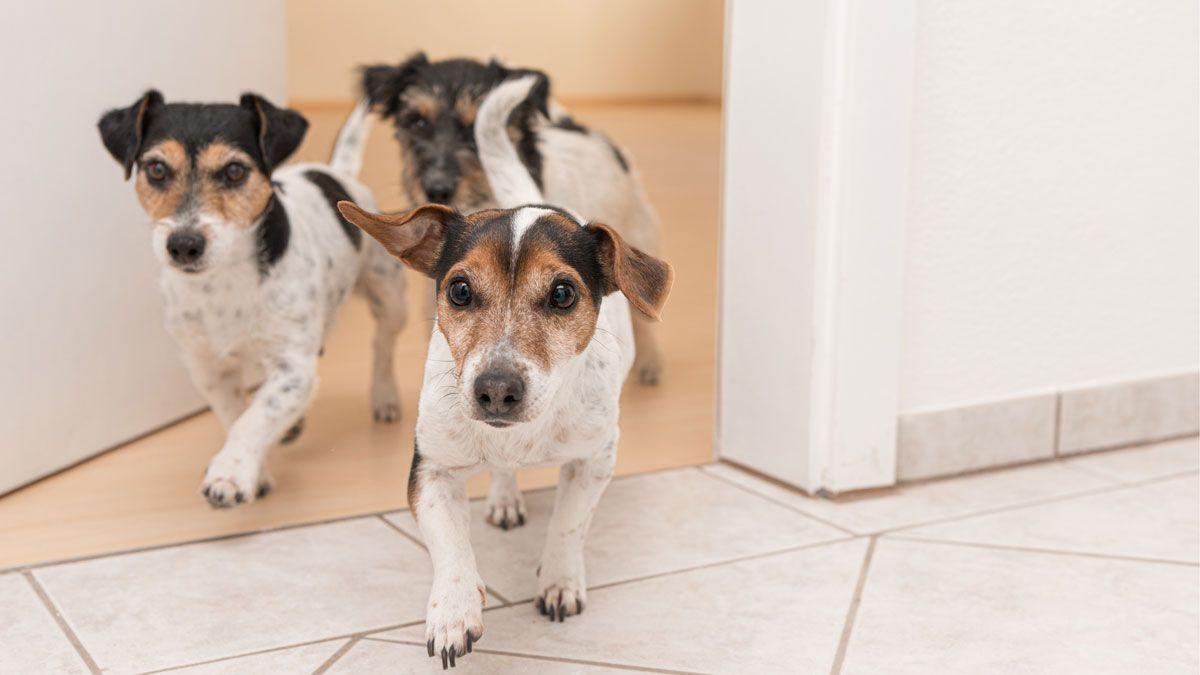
x=511 y=183
x=352 y=140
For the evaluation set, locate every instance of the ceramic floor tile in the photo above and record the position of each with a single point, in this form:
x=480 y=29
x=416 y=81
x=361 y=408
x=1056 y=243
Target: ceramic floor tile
x=381 y=658
x=647 y=524
x=30 y=639
x=936 y=608
x=1159 y=520
x=1143 y=463
x=204 y=601
x=781 y=613
x=304 y=659
x=911 y=504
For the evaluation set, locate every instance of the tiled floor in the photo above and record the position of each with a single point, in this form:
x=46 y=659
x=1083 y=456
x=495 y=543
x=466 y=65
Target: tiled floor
x=1087 y=565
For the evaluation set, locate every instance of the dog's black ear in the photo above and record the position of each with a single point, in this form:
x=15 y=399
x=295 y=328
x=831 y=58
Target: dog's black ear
x=415 y=237
x=123 y=129
x=382 y=84
x=645 y=280
x=280 y=130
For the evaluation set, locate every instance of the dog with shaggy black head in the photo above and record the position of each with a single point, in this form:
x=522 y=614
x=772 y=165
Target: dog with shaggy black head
x=433 y=106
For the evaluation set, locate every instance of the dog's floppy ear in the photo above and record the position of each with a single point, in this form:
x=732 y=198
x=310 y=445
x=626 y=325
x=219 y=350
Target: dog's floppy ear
x=645 y=280
x=382 y=84
x=123 y=129
x=280 y=130
x=415 y=237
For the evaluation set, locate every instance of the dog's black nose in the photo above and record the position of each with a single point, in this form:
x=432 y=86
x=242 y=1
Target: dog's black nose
x=499 y=392
x=439 y=192
x=185 y=246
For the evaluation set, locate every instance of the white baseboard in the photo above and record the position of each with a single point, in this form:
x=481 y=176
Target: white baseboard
x=1015 y=431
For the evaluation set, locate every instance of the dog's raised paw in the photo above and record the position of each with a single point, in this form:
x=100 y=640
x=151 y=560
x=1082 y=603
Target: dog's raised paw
x=561 y=599
x=454 y=619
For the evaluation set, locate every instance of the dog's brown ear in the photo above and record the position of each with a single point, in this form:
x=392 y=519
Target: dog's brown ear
x=414 y=237
x=645 y=280
x=382 y=84
x=123 y=129
x=280 y=130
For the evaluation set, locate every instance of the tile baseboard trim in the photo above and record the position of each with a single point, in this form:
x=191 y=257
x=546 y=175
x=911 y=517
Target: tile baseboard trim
x=965 y=439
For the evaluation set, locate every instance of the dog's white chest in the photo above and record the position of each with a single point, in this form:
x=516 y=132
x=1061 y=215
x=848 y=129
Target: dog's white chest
x=215 y=314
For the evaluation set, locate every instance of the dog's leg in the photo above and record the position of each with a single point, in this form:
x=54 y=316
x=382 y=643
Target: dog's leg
x=454 y=616
x=561 y=586
x=382 y=282
x=236 y=474
x=506 y=506
x=648 y=357
x=221 y=387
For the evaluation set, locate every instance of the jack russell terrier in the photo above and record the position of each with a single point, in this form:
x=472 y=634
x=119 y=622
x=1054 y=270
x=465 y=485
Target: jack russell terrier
x=434 y=107
x=531 y=345
x=256 y=262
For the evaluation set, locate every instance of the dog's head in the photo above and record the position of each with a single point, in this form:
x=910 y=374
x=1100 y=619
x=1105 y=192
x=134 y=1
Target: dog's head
x=432 y=106
x=203 y=171
x=519 y=293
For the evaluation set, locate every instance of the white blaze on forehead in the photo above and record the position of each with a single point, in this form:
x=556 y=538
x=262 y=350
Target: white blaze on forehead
x=522 y=220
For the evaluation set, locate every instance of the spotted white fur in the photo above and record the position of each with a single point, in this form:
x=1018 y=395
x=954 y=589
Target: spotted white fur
x=575 y=428
x=251 y=340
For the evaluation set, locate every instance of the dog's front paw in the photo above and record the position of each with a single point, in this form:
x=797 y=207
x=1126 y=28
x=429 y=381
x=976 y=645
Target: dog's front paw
x=385 y=402
x=505 y=506
x=232 y=480
x=454 y=619
x=563 y=591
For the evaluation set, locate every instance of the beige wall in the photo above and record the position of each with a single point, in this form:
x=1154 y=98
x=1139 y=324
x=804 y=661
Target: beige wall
x=591 y=48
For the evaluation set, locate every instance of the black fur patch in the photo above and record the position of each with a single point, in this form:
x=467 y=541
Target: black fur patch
x=619 y=155
x=569 y=124
x=413 y=488
x=273 y=234
x=335 y=192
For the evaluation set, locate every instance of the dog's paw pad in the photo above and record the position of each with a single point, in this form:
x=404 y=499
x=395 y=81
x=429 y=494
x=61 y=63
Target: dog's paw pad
x=293 y=433
x=506 y=516
x=560 y=600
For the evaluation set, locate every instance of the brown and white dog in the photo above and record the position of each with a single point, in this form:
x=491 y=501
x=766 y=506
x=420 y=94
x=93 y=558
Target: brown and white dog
x=531 y=345
x=256 y=263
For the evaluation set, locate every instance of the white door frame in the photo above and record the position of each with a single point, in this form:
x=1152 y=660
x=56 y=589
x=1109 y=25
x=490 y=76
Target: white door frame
x=818 y=102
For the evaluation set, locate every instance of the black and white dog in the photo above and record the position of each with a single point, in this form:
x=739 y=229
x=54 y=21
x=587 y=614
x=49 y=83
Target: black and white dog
x=433 y=106
x=532 y=343
x=256 y=263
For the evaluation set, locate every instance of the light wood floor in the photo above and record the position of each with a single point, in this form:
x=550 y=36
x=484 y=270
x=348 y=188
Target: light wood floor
x=145 y=493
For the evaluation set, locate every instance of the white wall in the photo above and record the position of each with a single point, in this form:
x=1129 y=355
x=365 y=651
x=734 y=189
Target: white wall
x=1053 y=228
x=85 y=361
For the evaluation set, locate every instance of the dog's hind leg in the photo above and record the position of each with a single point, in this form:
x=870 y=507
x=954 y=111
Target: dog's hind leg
x=382 y=283
x=505 y=505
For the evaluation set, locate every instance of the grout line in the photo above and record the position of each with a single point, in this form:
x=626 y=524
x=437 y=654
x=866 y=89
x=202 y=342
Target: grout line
x=291 y=526
x=839 y=657
x=1058 y=397
x=337 y=655
x=491 y=591
x=777 y=502
x=334 y=638
x=62 y=623
x=552 y=659
x=1038 y=502
x=1046 y=551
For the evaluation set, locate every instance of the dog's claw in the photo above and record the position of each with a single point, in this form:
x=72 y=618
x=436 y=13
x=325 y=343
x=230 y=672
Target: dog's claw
x=239 y=497
x=468 y=642
x=452 y=650
x=429 y=645
x=445 y=662
x=263 y=489
x=562 y=613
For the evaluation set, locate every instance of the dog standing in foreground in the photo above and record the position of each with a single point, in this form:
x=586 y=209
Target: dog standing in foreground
x=531 y=345
x=256 y=262
x=434 y=108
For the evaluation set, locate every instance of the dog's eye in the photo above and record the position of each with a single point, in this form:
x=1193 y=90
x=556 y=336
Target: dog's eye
x=156 y=171
x=416 y=123
x=562 y=296
x=234 y=173
x=460 y=293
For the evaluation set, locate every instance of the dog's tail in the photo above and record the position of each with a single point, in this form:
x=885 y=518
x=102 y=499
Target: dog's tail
x=352 y=140
x=511 y=183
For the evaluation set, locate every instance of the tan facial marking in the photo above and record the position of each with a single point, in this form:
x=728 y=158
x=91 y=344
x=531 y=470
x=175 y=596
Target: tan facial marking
x=485 y=268
x=425 y=102
x=161 y=202
x=466 y=106
x=237 y=205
